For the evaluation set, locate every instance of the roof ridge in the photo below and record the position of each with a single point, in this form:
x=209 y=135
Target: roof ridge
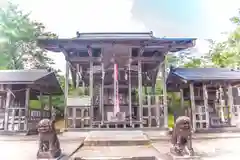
x=23 y=70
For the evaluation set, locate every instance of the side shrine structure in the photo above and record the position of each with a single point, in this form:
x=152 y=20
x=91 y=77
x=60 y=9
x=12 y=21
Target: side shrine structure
x=210 y=96
x=17 y=88
x=115 y=68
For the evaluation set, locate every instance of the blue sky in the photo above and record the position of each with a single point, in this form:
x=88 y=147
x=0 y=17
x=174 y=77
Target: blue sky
x=192 y=18
x=202 y=19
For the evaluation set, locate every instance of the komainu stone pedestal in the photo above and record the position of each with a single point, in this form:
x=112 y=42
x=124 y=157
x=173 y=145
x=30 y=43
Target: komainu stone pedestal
x=186 y=157
x=49 y=155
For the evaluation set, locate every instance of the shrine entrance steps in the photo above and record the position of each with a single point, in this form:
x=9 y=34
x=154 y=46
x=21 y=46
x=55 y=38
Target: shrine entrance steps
x=117 y=145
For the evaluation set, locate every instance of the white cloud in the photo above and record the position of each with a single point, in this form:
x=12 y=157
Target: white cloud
x=218 y=13
x=211 y=22
x=68 y=16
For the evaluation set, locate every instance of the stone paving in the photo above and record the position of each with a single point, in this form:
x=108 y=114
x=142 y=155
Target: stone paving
x=209 y=149
x=116 y=151
x=216 y=149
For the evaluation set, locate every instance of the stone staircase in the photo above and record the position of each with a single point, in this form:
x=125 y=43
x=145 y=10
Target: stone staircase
x=116 y=145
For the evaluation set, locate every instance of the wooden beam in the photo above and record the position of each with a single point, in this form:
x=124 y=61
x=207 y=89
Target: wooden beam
x=70 y=44
x=193 y=107
x=77 y=59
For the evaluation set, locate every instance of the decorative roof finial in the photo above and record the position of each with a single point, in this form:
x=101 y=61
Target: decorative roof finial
x=78 y=34
x=151 y=33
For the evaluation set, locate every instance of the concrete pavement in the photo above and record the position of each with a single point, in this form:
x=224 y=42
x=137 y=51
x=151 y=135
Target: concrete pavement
x=215 y=149
x=152 y=135
x=219 y=146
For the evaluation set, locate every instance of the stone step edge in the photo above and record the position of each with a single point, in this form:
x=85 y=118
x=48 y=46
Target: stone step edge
x=116 y=143
x=115 y=158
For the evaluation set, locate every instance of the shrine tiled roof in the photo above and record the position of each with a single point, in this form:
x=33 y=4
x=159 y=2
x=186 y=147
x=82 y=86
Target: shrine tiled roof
x=135 y=39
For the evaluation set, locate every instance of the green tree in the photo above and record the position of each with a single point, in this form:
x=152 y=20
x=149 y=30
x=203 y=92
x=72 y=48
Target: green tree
x=18 y=47
x=227 y=53
x=18 y=35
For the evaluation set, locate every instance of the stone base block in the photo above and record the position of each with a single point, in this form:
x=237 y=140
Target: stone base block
x=49 y=155
x=176 y=157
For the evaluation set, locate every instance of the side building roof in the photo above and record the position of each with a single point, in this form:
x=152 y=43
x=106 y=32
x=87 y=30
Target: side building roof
x=198 y=75
x=38 y=78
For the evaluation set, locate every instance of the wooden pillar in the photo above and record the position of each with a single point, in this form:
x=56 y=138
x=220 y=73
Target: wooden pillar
x=20 y=116
x=27 y=100
x=145 y=93
x=51 y=109
x=82 y=80
x=230 y=102
x=1 y=97
x=102 y=93
x=140 y=87
x=149 y=110
x=193 y=108
x=140 y=92
x=222 y=103
x=8 y=103
x=13 y=109
x=91 y=87
x=130 y=91
x=74 y=117
x=182 y=100
x=77 y=76
x=163 y=70
x=66 y=93
x=205 y=98
x=42 y=104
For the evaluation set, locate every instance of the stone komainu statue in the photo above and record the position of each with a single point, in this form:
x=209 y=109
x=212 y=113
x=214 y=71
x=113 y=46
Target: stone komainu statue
x=49 y=146
x=182 y=137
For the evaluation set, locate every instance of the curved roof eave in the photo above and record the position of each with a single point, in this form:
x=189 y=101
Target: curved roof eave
x=54 y=44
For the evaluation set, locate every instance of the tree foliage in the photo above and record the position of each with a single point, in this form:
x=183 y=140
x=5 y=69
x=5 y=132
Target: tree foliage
x=221 y=54
x=18 y=47
x=18 y=35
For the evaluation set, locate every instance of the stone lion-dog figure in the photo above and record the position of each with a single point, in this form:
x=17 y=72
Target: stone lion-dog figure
x=182 y=137
x=49 y=146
